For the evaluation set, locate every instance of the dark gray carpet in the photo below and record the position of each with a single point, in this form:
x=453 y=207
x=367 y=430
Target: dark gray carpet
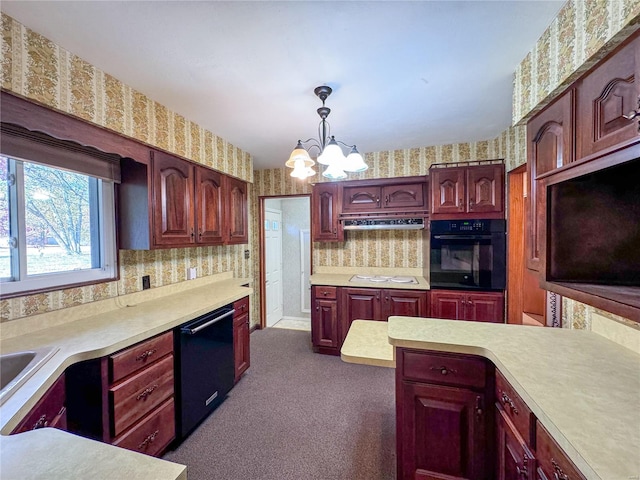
x=297 y=415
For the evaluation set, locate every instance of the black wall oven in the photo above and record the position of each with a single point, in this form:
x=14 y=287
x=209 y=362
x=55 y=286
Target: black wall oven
x=468 y=254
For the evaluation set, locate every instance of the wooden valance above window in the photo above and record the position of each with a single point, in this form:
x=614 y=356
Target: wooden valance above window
x=37 y=147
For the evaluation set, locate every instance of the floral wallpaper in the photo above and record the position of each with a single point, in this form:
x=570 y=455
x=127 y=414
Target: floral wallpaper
x=36 y=68
x=582 y=33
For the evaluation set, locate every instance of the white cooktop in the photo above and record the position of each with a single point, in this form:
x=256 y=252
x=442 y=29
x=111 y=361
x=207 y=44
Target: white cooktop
x=382 y=279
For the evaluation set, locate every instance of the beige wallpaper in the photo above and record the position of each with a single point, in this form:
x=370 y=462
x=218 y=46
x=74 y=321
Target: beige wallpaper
x=582 y=33
x=37 y=68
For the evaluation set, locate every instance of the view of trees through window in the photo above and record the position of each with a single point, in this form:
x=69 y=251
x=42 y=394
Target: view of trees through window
x=58 y=218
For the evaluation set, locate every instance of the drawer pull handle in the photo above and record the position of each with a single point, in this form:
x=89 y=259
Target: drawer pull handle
x=558 y=474
x=145 y=443
x=444 y=370
x=507 y=402
x=146 y=392
x=41 y=423
x=144 y=355
x=523 y=472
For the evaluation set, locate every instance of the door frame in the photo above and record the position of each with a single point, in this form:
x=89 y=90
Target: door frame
x=261 y=218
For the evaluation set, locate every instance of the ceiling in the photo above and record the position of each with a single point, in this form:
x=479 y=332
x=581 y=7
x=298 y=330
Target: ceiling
x=404 y=74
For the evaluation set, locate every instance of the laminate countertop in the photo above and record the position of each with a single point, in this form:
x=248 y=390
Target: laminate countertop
x=344 y=277
x=91 y=331
x=584 y=388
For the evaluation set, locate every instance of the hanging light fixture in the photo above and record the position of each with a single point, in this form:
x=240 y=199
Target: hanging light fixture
x=329 y=151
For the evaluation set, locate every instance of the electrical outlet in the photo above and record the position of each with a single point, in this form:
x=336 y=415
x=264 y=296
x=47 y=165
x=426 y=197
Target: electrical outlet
x=192 y=273
x=146 y=282
x=246 y=254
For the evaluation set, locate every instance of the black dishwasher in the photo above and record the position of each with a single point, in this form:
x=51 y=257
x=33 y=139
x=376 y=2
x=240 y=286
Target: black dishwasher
x=204 y=367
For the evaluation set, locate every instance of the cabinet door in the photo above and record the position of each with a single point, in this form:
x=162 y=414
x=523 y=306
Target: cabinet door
x=325 y=203
x=447 y=304
x=447 y=190
x=484 y=307
x=324 y=323
x=237 y=220
x=361 y=198
x=411 y=195
x=173 y=209
x=407 y=303
x=50 y=411
x=550 y=145
x=604 y=97
x=485 y=189
x=442 y=431
x=515 y=460
x=358 y=304
x=241 y=344
x=209 y=206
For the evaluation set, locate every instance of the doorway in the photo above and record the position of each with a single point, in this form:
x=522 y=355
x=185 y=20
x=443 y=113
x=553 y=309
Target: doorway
x=285 y=262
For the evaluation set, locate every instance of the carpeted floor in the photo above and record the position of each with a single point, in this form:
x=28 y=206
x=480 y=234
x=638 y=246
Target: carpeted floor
x=297 y=415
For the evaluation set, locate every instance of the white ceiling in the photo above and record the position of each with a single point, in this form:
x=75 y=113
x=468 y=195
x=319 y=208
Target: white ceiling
x=404 y=74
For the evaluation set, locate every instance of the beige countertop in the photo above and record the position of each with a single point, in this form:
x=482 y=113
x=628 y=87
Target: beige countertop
x=124 y=321
x=583 y=388
x=341 y=277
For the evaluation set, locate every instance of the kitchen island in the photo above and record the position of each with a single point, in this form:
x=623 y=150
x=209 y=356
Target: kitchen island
x=582 y=387
x=86 y=332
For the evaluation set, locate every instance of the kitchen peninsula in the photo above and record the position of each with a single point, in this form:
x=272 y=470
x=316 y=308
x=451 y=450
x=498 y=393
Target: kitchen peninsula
x=563 y=376
x=88 y=332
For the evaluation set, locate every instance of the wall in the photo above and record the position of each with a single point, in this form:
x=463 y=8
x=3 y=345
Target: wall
x=36 y=68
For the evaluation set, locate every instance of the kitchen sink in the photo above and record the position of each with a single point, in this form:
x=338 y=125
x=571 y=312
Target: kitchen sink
x=16 y=368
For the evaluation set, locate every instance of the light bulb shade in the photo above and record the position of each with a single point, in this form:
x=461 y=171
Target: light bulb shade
x=331 y=154
x=334 y=172
x=299 y=169
x=355 y=162
x=299 y=153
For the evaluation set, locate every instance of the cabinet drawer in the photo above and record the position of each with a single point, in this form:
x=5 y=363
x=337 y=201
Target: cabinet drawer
x=551 y=458
x=50 y=410
x=448 y=369
x=326 y=292
x=241 y=306
x=140 y=394
x=152 y=434
x=144 y=353
x=515 y=409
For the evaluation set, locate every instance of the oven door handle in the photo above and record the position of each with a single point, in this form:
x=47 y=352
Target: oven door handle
x=461 y=237
x=193 y=331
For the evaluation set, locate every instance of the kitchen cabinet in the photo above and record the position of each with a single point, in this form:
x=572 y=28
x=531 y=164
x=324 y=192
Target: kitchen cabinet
x=379 y=304
x=325 y=333
x=515 y=460
x=550 y=145
x=210 y=204
x=237 y=214
x=241 y=350
x=605 y=95
x=325 y=205
x=552 y=461
x=467 y=305
x=405 y=194
x=443 y=424
x=473 y=191
x=49 y=411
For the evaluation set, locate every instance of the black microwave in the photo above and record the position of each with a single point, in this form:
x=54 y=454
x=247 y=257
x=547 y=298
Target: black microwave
x=468 y=254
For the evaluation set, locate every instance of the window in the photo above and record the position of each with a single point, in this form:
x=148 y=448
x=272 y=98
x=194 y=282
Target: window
x=57 y=225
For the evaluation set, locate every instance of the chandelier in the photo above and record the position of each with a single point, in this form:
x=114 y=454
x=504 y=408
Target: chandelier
x=329 y=151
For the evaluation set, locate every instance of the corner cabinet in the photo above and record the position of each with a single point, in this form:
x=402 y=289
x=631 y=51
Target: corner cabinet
x=50 y=411
x=469 y=192
x=241 y=351
x=325 y=205
x=465 y=305
x=443 y=422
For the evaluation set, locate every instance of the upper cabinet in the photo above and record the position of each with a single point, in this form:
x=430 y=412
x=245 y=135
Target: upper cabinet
x=175 y=203
x=471 y=191
x=325 y=204
x=386 y=195
x=605 y=96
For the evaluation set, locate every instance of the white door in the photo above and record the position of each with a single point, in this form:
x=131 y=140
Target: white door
x=305 y=262
x=273 y=265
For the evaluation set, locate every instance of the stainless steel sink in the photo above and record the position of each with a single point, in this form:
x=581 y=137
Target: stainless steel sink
x=17 y=367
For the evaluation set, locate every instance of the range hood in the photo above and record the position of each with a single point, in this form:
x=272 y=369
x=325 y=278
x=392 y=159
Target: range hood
x=383 y=223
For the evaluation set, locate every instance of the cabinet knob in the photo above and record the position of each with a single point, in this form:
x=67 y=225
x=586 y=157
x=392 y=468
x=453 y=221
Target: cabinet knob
x=41 y=423
x=461 y=205
x=325 y=293
x=386 y=200
x=444 y=370
x=386 y=298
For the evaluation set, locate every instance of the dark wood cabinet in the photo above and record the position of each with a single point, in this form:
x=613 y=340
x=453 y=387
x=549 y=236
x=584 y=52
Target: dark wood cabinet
x=550 y=145
x=442 y=422
x=210 y=206
x=325 y=205
x=465 y=305
x=49 y=411
x=241 y=348
x=325 y=329
x=605 y=96
x=237 y=218
x=552 y=461
x=515 y=460
x=397 y=195
x=469 y=192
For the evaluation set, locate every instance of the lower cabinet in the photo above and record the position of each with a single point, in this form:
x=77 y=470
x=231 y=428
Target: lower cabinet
x=442 y=421
x=241 y=352
x=553 y=463
x=325 y=330
x=515 y=460
x=50 y=411
x=464 y=305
